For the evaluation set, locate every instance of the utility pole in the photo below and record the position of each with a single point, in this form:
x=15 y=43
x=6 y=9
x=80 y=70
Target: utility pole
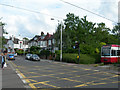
x=61 y=43
x=61 y=40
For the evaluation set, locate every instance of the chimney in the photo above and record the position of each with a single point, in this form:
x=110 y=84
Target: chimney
x=42 y=33
x=47 y=33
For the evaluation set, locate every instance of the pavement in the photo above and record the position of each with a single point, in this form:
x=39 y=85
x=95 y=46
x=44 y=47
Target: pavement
x=10 y=79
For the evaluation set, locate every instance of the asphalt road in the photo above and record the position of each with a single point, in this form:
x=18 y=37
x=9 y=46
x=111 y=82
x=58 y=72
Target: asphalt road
x=51 y=74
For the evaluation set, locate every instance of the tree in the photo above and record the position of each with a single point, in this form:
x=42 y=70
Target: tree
x=2 y=39
x=89 y=34
x=35 y=50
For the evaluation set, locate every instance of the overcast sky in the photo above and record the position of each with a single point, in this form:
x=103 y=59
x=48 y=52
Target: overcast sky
x=29 y=24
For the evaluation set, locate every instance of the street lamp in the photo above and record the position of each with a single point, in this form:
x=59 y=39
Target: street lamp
x=61 y=40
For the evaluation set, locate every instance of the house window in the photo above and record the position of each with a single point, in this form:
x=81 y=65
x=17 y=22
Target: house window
x=44 y=43
x=53 y=41
x=41 y=43
x=49 y=42
x=35 y=38
x=42 y=37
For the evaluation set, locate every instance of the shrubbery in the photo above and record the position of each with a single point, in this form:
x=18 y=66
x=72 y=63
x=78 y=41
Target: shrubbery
x=97 y=57
x=20 y=52
x=86 y=59
x=44 y=53
x=72 y=58
x=70 y=50
x=57 y=52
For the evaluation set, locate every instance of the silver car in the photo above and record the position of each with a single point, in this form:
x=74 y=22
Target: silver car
x=35 y=57
x=28 y=56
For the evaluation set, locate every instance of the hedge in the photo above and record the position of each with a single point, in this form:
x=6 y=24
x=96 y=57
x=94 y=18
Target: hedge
x=72 y=58
x=86 y=59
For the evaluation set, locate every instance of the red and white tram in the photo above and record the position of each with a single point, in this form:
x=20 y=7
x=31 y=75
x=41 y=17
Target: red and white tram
x=110 y=53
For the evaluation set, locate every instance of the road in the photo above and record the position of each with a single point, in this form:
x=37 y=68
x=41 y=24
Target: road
x=51 y=74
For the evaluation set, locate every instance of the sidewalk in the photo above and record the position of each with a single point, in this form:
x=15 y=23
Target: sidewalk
x=10 y=79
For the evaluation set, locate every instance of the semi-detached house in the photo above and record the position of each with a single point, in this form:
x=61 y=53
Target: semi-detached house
x=43 y=41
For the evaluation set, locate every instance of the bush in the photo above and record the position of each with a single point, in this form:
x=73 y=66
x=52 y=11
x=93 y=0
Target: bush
x=97 y=57
x=70 y=50
x=86 y=59
x=20 y=52
x=87 y=49
x=70 y=58
x=57 y=52
x=45 y=53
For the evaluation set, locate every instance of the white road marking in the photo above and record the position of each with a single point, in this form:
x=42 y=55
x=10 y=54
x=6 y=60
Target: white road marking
x=24 y=81
x=20 y=76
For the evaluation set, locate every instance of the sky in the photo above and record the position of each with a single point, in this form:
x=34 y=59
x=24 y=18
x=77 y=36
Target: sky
x=22 y=23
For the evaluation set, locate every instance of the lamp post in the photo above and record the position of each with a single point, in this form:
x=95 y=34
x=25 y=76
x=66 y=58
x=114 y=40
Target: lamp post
x=61 y=43
x=61 y=40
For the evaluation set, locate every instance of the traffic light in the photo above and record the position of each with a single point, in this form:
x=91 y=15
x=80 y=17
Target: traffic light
x=76 y=45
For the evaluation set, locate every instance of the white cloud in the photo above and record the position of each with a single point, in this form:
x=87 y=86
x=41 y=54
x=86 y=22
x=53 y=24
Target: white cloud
x=29 y=24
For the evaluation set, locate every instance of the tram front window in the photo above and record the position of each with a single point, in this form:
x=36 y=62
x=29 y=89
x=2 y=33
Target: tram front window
x=105 y=52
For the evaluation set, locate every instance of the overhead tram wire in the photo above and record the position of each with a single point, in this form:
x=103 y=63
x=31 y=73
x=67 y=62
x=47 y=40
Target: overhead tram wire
x=88 y=11
x=30 y=10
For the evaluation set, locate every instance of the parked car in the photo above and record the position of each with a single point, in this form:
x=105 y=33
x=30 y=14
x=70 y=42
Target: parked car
x=11 y=57
x=28 y=56
x=35 y=57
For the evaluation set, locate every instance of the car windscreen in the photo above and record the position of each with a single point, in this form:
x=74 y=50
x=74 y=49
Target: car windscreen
x=35 y=55
x=11 y=55
x=28 y=54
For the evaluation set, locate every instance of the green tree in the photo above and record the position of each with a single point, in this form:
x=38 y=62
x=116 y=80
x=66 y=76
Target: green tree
x=35 y=50
x=89 y=34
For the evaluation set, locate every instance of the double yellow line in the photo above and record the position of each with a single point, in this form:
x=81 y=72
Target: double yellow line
x=23 y=76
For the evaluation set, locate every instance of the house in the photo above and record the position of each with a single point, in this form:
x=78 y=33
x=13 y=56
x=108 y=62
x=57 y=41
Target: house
x=33 y=41
x=15 y=43
x=46 y=42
